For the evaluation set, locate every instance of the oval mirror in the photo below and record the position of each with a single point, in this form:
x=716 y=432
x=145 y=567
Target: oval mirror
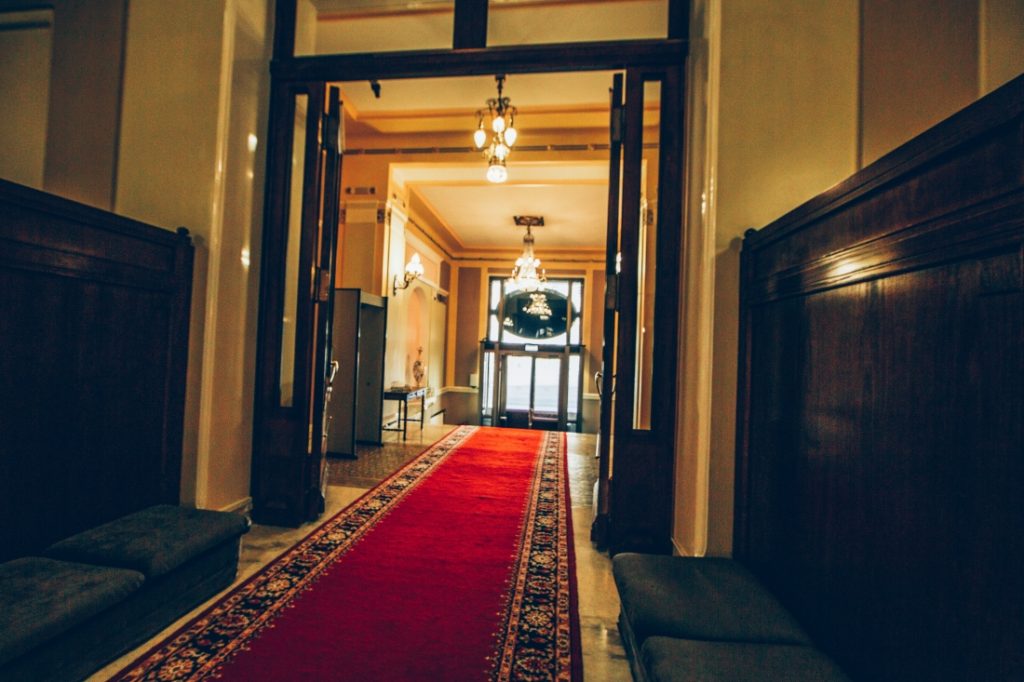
x=536 y=314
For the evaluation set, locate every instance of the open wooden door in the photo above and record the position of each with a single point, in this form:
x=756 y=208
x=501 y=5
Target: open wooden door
x=605 y=378
x=294 y=365
x=644 y=281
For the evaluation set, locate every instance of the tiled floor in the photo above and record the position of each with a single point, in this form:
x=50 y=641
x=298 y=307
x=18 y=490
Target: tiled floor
x=603 y=655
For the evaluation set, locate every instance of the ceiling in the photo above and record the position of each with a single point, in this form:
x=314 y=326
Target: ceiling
x=571 y=195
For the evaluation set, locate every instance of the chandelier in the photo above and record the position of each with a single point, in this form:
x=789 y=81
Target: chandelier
x=538 y=306
x=527 y=274
x=500 y=115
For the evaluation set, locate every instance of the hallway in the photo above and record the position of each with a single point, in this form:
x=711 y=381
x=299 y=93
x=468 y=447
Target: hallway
x=604 y=658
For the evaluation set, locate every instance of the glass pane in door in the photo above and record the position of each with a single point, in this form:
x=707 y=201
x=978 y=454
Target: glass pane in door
x=646 y=260
x=518 y=378
x=294 y=237
x=487 y=390
x=574 y=388
x=547 y=381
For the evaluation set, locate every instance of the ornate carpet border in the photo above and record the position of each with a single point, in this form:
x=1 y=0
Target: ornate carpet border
x=539 y=636
x=201 y=646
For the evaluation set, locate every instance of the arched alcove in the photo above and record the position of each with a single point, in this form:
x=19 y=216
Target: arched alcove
x=417 y=334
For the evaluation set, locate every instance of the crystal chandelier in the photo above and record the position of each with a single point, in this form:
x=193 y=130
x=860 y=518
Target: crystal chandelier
x=538 y=306
x=527 y=274
x=500 y=115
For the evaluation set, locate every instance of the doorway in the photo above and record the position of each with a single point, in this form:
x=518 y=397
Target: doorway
x=643 y=298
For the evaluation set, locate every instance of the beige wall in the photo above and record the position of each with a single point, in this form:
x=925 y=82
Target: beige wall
x=191 y=154
x=787 y=109
x=919 y=65
x=83 y=98
x=1001 y=34
x=26 y=40
x=782 y=109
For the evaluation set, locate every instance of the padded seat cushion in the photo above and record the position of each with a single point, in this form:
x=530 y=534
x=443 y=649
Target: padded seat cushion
x=153 y=541
x=42 y=598
x=669 y=660
x=699 y=598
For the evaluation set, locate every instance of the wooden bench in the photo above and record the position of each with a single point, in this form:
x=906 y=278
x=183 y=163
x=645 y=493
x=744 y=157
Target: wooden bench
x=709 y=619
x=88 y=599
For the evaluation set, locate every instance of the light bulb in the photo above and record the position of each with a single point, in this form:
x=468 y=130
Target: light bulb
x=497 y=173
x=498 y=124
x=501 y=151
x=479 y=138
x=510 y=136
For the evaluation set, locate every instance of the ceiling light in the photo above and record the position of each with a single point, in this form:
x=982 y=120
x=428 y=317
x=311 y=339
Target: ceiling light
x=502 y=117
x=496 y=171
x=527 y=273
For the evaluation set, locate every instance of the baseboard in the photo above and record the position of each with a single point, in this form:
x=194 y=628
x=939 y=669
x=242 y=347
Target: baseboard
x=243 y=505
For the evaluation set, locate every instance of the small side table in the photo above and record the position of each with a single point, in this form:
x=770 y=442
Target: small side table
x=403 y=396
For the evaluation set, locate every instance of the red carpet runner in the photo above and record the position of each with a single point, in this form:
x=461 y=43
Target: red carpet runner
x=458 y=567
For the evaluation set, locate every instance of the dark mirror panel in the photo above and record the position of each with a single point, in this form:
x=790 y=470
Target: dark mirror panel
x=536 y=314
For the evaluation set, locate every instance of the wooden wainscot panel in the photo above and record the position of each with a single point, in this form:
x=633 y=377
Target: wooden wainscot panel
x=94 y=314
x=880 y=470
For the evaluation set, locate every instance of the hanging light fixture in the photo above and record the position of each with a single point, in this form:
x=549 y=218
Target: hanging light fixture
x=500 y=117
x=527 y=274
x=538 y=306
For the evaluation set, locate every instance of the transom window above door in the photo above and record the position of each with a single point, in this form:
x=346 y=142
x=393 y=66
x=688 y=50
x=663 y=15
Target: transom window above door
x=550 y=316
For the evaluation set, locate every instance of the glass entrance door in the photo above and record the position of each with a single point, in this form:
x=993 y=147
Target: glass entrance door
x=533 y=391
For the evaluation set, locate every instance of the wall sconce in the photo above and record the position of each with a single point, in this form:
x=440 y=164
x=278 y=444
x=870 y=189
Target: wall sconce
x=413 y=270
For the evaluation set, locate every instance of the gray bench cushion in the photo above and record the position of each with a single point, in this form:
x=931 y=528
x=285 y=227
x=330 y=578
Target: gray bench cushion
x=153 y=541
x=705 y=598
x=668 y=660
x=42 y=598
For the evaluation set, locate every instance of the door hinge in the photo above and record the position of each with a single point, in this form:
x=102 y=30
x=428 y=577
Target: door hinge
x=331 y=139
x=611 y=292
x=618 y=124
x=322 y=294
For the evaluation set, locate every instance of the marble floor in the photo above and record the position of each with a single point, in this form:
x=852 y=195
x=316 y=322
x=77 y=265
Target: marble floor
x=603 y=656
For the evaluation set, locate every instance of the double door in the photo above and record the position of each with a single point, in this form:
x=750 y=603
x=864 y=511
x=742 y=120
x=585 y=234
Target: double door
x=532 y=389
x=641 y=315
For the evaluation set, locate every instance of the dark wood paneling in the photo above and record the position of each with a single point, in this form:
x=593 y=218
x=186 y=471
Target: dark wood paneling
x=880 y=471
x=597 y=56
x=643 y=458
x=470 y=24
x=94 y=312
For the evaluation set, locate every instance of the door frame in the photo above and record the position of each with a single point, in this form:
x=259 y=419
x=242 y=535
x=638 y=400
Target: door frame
x=287 y=480
x=642 y=520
